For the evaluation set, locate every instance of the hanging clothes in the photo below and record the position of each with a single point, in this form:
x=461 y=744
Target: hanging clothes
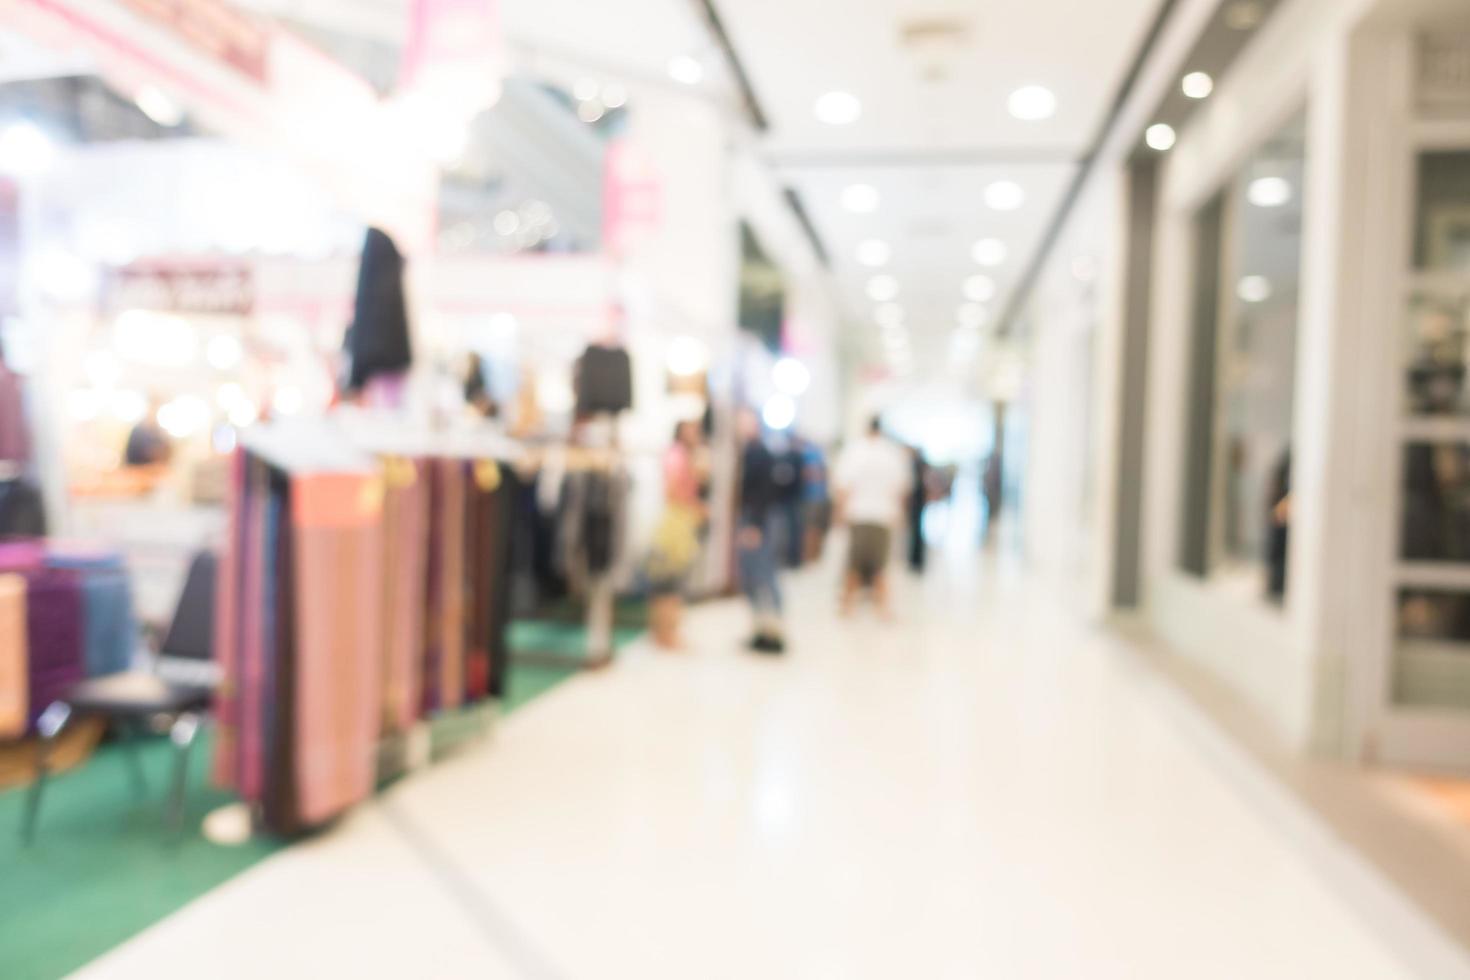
x=593 y=524
x=336 y=526
x=15 y=437
x=14 y=656
x=54 y=629
x=378 y=340
x=110 y=629
x=405 y=590
x=603 y=380
x=345 y=614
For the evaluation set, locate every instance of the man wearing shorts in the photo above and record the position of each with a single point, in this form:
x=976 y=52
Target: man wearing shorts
x=872 y=481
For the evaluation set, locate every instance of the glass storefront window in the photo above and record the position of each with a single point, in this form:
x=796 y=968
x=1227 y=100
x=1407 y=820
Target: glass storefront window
x=1442 y=214
x=1438 y=354
x=1238 y=485
x=1436 y=502
x=1432 y=662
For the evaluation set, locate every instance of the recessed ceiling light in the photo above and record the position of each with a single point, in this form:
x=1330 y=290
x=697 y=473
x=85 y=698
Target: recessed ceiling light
x=971 y=316
x=838 y=108
x=860 y=198
x=1004 y=195
x=1159 y=136
x=1269 y=192
x=1254 y=289
x=1197 y=85
x=888 y=315
x=980 y=289
x=1032 y=102
x=873 y=253
x=686 y=69
x=25 y=149
x=158 y=106
x=989 y=251
x=614 y=96
x=585 y=89
x=882 y=289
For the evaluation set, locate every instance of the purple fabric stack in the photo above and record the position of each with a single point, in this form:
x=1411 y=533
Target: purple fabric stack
x=55 y=631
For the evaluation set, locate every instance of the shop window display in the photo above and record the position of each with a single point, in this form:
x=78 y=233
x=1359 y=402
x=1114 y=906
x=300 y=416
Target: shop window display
x=1442 y=219
x=1238 y=485
x=1430 y=669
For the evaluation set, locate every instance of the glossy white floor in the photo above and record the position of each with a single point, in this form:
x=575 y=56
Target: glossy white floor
x=984 y=789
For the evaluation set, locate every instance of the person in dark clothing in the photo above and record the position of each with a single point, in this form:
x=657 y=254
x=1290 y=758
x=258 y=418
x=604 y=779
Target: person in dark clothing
x=148 y=444
x=477 y=390
x=754 y=537
x=992 y=482
x=918 y=499
x=1278 y=522
x=787 y=474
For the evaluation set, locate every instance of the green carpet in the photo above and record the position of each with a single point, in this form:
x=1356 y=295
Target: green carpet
x=104 y=867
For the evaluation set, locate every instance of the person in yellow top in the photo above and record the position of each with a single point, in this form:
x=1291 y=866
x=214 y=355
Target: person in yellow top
x=676 y=539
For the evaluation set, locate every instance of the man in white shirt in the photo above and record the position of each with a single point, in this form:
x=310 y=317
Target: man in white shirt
x=872 y=483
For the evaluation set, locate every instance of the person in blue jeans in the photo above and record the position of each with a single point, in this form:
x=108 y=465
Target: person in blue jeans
x=755 y=538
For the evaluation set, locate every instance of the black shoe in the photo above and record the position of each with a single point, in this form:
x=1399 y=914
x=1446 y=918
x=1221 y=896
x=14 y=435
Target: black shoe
x=765 y=643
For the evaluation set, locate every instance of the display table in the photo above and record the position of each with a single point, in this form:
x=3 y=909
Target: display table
x=66 y=612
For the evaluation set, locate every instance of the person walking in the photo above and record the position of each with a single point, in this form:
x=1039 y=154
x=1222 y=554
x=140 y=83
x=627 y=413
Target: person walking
x=873 y=478
x=676 y=539
x=755 y=540
x=918 y=500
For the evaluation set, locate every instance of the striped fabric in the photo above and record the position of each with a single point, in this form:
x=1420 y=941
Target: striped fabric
x=14 y=672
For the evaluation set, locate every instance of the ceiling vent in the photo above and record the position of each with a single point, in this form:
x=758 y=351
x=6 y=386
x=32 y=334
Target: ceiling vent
x=935 y=44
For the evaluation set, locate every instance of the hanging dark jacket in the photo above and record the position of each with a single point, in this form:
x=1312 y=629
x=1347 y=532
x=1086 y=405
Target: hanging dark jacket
x=377 y=342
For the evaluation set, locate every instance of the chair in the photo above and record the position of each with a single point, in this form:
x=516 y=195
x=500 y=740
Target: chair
x=180 y=686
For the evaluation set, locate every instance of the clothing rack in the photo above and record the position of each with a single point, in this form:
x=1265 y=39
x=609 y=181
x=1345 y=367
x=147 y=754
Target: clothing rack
x=343 y=623
x=598 y=589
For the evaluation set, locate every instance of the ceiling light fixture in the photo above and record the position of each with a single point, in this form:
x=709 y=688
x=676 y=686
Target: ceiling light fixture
x=1004 y=195
x=860 y=198
x=25 y=149
x=838 y=108
x=874 y=253
x=882 y=289
x=686 y=69
x=1269 y=192
x=989 y=251
x=980 y=289
x=1197 y=85
x=1160 y=136
x=159 y=107
x=585 y=89
x=614 y=96
x=1032 y=103
x=1254 y=289
x=791 y=376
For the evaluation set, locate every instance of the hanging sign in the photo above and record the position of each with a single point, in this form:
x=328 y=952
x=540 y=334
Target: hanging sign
x=218 y=289
x=216 y=28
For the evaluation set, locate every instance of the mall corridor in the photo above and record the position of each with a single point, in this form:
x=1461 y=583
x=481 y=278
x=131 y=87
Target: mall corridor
x=987 y=788
x=440 y=439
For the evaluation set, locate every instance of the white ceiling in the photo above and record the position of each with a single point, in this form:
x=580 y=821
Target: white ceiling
x=933 y=77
